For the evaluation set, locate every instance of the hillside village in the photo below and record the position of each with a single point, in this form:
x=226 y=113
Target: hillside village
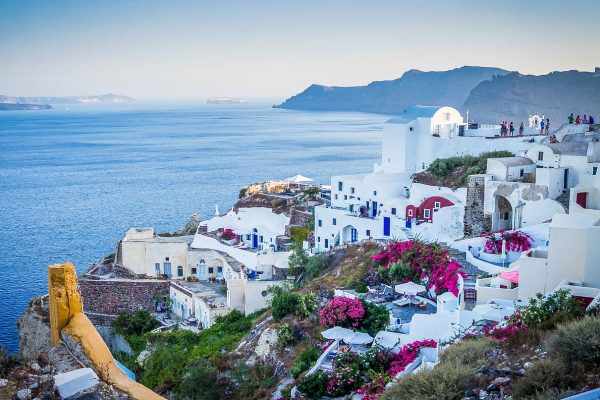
x=371 y=285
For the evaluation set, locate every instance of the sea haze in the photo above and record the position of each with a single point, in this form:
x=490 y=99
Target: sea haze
x=72 y=182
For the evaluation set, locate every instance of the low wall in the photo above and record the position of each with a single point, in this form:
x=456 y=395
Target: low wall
x=115 y=295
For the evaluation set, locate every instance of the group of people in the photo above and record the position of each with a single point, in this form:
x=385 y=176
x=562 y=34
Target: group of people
x=508 y=129
x=587 y=119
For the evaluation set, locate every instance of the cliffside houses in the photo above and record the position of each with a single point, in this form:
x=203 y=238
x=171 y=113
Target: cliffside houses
x=228 y=264
x=382 y=204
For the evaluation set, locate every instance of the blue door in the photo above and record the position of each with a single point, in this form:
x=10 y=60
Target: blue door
x=255 y=240
x=167 y=268
x=386 y=226
x=353 y=235
x=374 y=209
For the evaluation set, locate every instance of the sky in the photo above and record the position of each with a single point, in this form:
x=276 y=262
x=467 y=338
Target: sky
x=190 y=50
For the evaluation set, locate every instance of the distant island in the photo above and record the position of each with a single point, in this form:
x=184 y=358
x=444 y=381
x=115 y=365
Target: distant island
x=224 y=100
x=489 y=94
x=24 y=106
x=87 y=99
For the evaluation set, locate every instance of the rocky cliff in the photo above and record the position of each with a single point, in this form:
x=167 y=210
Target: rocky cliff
x=414 y=87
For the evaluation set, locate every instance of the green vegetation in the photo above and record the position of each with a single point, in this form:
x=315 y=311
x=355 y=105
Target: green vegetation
x=305 y=360
x=460 y=167
x=578 y=342
x=299 y=233
x=133 y=325
x=314 y=386
x=286 y=302
x=7 y=362
x=545 y=312
x=376 y=318
x=286 y=334
x=449 y=379
x=242 y=192
x=543 y=376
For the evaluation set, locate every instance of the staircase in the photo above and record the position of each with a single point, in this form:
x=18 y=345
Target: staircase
x=119 y=255
x=409 y=233
x=563 y=199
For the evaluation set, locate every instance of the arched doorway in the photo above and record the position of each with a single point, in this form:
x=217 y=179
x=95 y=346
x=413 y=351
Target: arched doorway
x=254 y=238
x=349 y=234
x=503 y=217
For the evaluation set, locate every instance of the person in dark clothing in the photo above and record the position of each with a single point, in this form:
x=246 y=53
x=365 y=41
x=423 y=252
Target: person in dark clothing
x=521 y=128
x=591 y=120
x=512 y=128
x=570 y=118
x=547 y=125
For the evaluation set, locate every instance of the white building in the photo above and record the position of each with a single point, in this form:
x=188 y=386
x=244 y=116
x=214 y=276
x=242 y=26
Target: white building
x=374 y=205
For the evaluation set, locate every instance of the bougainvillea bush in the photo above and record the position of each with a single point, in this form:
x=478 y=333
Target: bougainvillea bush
x=342 y=311
x=428 y=264
x=228 y=234
x=516 y=241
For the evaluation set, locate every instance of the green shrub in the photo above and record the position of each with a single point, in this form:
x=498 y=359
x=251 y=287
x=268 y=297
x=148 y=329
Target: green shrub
x=7 y=362
x=360 y=287
x=137 y=323
x=376 y=318
x=444 y=168
x=286 y=334
x=164 y=368
x=242 y=192
x=283 y=303
x=253 y=382
x=314 y=386
x=545 y=311
x=305 y=361
x=543 y=376
x=577 y=341
x=299 y=233
x=201 y=382
x=307 y=303
x=444 y=382
x=315 y=265
x=468 y=354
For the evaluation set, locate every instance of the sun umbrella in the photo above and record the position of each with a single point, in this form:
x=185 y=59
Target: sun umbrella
x=359 y=338
x=338 y=333
x=298 y=179
x=493 y=312
x=410 y=288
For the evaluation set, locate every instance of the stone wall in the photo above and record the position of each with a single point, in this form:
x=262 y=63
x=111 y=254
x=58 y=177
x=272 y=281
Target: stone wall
x=113 y=296
x=475 y=221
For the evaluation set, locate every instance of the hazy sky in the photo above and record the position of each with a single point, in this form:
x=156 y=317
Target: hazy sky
x=273 y=49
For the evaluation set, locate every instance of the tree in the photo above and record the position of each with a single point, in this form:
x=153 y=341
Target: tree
x=394 y=273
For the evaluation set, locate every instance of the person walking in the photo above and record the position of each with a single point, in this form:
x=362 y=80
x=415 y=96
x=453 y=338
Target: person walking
x=547 y=125
x=570 y=118
x=585 y=119
x=542 y=123
x=577 y=120
x=512 y=128
x=521 y=128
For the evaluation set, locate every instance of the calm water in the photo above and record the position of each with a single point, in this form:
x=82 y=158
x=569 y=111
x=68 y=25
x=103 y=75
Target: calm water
x=72 y=182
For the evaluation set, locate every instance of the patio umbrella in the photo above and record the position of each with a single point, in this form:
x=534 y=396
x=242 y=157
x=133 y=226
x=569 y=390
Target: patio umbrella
x=359 y=338
x=410 y=288
x=493 y=312
x=298 y=179
x=338 y=333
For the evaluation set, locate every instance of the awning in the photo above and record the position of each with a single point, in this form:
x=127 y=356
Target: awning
x=512 y=276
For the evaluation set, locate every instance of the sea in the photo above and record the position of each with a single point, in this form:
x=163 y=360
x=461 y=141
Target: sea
x=74 y=179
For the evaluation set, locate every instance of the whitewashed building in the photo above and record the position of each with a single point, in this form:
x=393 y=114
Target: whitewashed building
x=374 y=205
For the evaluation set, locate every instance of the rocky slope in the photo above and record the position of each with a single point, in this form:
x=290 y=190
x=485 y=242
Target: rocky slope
x=414 y=87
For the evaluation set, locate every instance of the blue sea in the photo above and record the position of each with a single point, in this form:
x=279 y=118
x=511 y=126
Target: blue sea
x=73 y=181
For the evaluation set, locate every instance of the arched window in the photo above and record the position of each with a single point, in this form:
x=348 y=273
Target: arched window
x=180 y=271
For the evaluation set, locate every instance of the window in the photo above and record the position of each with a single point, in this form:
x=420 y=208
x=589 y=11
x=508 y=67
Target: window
x=167 y=269
x=368 y=233
x=247 y=237
x=179 y=271
x=335 y=196
x=375 y=193
x=157 y=267
x=333 y=221
x=319 y=239
x=437 y=205
x=166 y=258
x=211 y=270
x=261 y=238
x=594 y=170
x=426 y=213
x=411 y=129
x=410 y=212
x=540 y=156
x=345 y=197
x=393 y=211
x=220 y=270
x=521 y=173
x=340 y=186
x=351 y=208
x=320 y=223
x=352 y=190
x=194 y=271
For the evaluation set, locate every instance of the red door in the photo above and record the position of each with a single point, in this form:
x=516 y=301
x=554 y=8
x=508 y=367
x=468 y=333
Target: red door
x=581 y=199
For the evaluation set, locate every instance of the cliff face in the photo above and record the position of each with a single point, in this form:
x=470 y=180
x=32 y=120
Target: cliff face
x=392 y=97
x=34 y=330
x=515 y=96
